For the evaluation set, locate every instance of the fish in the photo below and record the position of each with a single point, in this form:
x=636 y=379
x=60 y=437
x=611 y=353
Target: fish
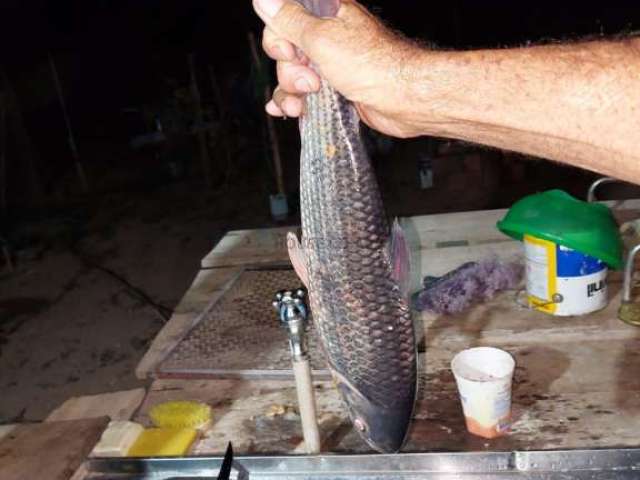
x=355 y=267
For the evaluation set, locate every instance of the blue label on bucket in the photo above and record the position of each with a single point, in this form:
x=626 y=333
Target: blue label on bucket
x=575 y=264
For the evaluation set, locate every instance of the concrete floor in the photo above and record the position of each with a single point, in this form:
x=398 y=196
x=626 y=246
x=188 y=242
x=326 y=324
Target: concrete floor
x=69 y=329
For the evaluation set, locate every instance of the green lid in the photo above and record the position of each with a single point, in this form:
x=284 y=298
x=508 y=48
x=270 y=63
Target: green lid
x=558 y=217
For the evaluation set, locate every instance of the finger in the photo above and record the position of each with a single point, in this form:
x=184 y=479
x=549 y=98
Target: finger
x=296 y=78
x=290 y=104
x=288 y=19
x=276 y=47
x=273 y=109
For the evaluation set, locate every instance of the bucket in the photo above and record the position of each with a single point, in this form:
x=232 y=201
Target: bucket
x=562 y=281
x=279 y=207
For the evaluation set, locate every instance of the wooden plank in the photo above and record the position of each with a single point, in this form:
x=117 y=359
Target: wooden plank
x=620 y=205
x=547 y=368
x=424 y=261
x=432 y=231
x=442 y=260
x=81 y=473
x=505 y=319
x=564 y=396
x=243 y=411
x=438 y=261
x=267 y=246
x=6 y=430
x=571 y=371
x=172 y=332
x=115 y=405
x=476 y=228
x=567 y=395
x=207 y=287
x=52 y=450
x=246 y=247
x=259 y=250
x=557 y=421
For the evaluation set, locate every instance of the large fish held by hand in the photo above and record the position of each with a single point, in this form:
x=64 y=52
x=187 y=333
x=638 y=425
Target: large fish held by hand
x=355 y=268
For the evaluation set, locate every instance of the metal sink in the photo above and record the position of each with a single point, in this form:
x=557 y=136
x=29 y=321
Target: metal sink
x=613 y=464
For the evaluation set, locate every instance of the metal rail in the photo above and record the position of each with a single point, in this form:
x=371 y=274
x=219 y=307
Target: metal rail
x=591 y=194
x=614 y=464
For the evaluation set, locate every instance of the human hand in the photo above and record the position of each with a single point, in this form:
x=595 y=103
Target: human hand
x=361 y=58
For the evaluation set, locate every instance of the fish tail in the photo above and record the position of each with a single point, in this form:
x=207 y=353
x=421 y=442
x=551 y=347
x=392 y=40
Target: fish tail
x=321 y=8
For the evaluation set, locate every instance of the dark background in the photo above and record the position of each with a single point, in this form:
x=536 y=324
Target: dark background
x=116 y=56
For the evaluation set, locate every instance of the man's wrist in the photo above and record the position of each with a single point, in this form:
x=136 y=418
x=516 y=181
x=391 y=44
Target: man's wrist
x=428 y=81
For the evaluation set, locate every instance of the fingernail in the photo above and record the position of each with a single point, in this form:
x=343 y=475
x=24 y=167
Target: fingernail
x=302 y=84
x=269 y=7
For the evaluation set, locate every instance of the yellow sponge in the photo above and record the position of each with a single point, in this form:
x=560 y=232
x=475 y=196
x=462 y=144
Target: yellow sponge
x=181 y=414
x=163 y=442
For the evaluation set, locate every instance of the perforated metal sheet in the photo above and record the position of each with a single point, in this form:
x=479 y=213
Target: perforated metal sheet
x=240 y=335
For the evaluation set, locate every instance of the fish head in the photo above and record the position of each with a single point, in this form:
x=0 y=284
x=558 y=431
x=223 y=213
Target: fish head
x=383 y=428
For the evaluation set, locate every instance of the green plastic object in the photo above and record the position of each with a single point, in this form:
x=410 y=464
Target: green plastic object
x=558 y=217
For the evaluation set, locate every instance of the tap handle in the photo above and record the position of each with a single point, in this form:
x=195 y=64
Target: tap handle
x=291 y=305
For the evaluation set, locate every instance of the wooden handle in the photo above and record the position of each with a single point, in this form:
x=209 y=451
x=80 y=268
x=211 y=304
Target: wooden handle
x=307 y=405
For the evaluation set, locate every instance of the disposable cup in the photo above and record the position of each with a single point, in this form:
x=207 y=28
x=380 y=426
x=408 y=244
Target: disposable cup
x=484 y=376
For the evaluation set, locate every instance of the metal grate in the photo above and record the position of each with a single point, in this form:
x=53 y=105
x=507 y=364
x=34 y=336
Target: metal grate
x=240 y=335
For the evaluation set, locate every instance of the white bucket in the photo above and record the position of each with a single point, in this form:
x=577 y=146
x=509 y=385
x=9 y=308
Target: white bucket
x=484 y=376
x=279 y=207
x=562 y=281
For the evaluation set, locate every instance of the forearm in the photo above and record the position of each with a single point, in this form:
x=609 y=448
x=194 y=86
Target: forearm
x=578 y=104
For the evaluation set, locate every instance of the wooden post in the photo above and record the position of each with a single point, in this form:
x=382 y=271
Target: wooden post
x=273 y=134
x=67 y=121
x=3 y=174
x=200 y=134
x=24 y=145
x=222 y=119
x=3 y=155
x=216 y=92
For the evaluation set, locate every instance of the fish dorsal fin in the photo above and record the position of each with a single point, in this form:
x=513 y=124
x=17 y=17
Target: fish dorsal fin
x=400 y=254
x=298 y=258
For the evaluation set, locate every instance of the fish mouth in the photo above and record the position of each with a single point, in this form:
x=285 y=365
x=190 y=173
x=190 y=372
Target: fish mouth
x=383 y=428
x=386 y=431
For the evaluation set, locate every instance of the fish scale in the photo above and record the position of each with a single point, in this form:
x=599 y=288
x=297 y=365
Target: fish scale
x=361 y=315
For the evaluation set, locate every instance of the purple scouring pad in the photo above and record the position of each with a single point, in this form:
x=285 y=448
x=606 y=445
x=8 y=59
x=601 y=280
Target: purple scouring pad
x=470 y=283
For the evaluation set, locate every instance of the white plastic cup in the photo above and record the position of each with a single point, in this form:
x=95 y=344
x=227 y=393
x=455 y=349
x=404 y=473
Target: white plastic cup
x=484 y=377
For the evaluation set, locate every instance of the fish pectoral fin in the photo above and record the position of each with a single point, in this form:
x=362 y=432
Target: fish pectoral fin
x=400 y=254
x=298 y=258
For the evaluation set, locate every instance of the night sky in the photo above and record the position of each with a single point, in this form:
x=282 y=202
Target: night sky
x=113 y=54
x=115 y=50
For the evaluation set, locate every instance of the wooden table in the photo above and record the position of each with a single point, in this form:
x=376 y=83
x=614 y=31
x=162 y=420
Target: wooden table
x=577 y=382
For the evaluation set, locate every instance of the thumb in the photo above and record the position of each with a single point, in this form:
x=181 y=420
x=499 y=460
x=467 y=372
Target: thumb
x=287 y=18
